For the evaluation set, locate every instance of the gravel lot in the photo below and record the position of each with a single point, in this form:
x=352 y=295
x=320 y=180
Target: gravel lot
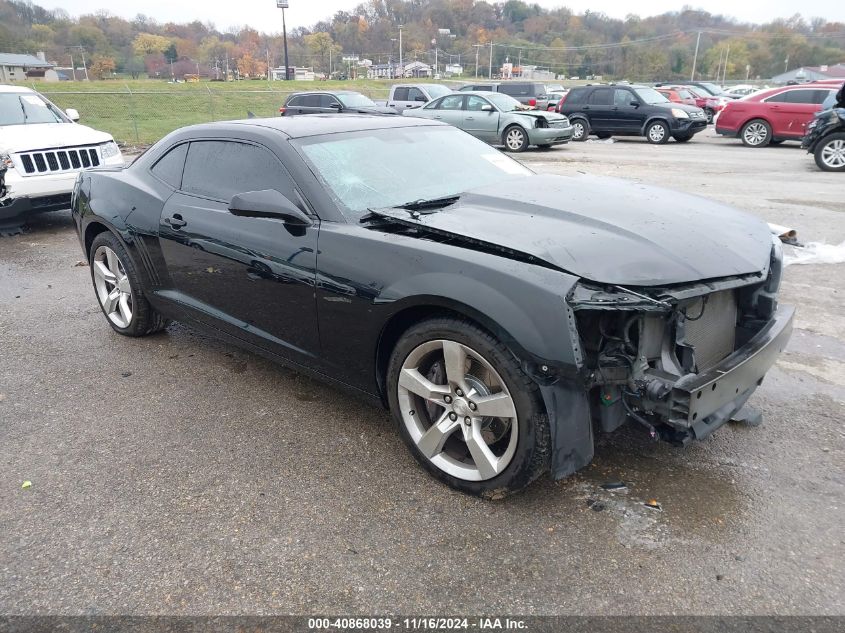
x=177 y=475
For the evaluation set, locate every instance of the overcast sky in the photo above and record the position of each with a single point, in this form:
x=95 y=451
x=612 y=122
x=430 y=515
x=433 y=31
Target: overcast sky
x=262 y=14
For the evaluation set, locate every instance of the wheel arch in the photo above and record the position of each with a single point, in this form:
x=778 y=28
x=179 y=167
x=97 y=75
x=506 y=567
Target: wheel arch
x=92 y=230
x=654 y=118
x=421 y=309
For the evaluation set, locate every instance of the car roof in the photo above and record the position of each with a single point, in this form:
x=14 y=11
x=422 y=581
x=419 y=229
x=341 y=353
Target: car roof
x=317 y=124
x=326 y=92
x=17 y=89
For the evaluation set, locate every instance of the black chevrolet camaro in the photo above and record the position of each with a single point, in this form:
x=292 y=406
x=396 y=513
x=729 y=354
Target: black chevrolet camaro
x=502 y=316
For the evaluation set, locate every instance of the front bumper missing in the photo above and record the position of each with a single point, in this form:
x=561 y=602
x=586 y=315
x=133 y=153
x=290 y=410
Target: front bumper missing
x=703 y=402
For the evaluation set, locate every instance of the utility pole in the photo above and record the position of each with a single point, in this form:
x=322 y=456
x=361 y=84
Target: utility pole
x=477 y=48
x=719 y=67
x=695 y=57
x=227 y=67
x=491 y=59
x=725 y=70
x=401 y=65
x=72 y=67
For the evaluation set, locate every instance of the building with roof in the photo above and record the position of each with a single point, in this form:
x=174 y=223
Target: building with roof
x=811 y=73
x=18 y=67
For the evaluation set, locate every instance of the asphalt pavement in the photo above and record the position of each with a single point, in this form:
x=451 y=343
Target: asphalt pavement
x=178 y=475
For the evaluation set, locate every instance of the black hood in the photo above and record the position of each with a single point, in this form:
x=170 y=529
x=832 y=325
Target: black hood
x=669 y=105
x=607 y=230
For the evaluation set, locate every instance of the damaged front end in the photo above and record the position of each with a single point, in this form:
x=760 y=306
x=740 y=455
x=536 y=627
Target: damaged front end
x=680 y=360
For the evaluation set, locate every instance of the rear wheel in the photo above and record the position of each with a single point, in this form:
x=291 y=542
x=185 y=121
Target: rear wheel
x=657 y=133
x=515 y=139
x=118 y=289
x=756 y=133
x=830 y=153
x=580 y=130
x=468 y=412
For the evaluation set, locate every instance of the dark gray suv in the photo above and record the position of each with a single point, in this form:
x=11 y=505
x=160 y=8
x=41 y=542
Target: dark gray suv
x=530 y=93
x=626 y=110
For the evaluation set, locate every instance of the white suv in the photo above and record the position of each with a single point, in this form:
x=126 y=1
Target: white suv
x=42 y=149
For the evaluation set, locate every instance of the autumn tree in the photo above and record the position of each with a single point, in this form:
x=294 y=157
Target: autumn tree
x=101 y=66
x=149 y=44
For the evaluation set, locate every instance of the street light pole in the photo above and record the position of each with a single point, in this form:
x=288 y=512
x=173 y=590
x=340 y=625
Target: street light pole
x=284 y=4
x=491 y=59
x=695 y=57
x=401 y=65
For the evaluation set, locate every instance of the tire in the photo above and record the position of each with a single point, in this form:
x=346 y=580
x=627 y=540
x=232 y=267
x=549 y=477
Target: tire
x=756 y=133
x=115 y=279
x=830 y=152
x=580 y=130
x=603 y=135
x=682 y=138
x=515 y=139
x=709 y=114
x=657 y=133
x=518 y=447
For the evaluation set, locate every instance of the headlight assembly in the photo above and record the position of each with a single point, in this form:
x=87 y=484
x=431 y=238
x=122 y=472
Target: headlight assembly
x=109 y=150
x=679 y=114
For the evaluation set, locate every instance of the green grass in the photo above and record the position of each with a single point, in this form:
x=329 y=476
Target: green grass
x=142 y=112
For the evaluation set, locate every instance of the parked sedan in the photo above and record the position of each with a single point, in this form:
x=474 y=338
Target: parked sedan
x=773 y=116
x=497 y=313
x=337 y=101
x=498 y=119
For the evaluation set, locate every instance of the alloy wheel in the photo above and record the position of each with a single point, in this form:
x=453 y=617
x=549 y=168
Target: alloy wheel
x=514 y=139
x=113 y=288
x=457 y=410
x=833 y=154
x=577 y=130
x=656 y=133
x=755 y=133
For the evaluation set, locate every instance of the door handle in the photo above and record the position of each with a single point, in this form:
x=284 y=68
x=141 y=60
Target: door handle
x=437 y=116
x=586 y=108
x=176 y=222
x=470 y=118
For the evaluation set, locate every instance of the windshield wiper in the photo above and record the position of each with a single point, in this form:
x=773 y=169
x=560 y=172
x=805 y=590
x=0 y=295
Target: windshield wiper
x=431 y=203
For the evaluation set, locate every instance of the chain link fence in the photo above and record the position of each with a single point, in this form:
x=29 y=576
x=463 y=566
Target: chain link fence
x=140 y=118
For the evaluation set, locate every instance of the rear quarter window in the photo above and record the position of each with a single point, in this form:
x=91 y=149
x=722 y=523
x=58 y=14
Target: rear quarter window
x=575 y=96
x=516 y=90
x=169 y=167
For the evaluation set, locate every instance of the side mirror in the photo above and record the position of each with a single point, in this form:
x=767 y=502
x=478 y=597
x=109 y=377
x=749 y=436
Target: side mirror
x=268 y=203
x=337 y=106
x=635 y=104
x=421 y=98
x=72 y=114
x=487 y=108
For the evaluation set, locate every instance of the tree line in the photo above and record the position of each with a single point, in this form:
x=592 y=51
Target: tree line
x=461 y=31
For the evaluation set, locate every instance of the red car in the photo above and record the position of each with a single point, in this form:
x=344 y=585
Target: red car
x=773 y=116
x=678 y=94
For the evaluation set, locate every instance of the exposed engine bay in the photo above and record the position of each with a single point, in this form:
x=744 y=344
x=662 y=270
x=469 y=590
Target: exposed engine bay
x=672 y=358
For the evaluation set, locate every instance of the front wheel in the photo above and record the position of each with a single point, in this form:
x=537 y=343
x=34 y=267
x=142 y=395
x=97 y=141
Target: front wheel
x=657 y=133
x=709 y=114
x=515 y=139
x=470 y=415
x=756 y=133
x=118 y=289
x=830 y=153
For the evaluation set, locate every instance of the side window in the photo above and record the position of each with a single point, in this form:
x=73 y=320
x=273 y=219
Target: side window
x=515 y=90
x=452 y=102
x=310 y=101
x=414 y=93
x=221 y=169
x=169 y=167
x=778 y=98
x=327 y=101
x=400 y=94
x=475 y=103
x=294 y=102
x=801 y=96
x=622 y=98
x=600 y=96
x=821 y=96
x=575 y=97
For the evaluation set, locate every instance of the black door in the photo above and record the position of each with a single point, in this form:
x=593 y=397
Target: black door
x=629 y=112
x=252 y=277
x=599 y=109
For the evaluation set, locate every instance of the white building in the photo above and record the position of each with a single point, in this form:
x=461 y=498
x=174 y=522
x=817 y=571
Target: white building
x=454 y=70
x=15 y=67
x=417 y=69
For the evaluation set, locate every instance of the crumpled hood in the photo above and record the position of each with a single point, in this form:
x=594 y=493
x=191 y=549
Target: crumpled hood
x=607 y=230
x=35 y=136
x=540 y=114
